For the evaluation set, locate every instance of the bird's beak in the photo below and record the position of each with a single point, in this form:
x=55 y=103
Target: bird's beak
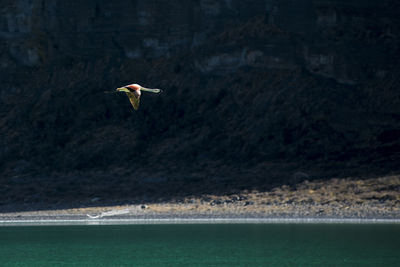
x=122 y=89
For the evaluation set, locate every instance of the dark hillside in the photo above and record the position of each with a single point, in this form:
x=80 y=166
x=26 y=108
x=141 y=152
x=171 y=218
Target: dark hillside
x=272 y=92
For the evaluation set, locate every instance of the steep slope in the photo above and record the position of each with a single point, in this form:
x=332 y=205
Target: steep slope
x=253 y=94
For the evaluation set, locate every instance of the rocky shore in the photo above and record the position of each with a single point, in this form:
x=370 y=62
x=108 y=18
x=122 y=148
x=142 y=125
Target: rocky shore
x=334 y=199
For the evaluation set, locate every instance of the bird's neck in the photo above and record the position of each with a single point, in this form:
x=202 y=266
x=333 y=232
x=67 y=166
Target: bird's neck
x=150 y=90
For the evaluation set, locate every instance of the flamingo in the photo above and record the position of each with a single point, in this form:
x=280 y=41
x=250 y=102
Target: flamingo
x=133 y=91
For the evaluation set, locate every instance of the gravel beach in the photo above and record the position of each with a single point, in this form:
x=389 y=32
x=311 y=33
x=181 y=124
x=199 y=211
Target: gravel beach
x=352 y=200
x=335 y=200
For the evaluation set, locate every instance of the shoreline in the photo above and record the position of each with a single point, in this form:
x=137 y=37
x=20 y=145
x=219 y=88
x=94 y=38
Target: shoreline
x=159 y=221
x=333 y=201
x=135 y=214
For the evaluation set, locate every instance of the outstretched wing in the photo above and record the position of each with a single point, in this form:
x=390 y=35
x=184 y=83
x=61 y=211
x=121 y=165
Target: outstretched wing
x=134 y=98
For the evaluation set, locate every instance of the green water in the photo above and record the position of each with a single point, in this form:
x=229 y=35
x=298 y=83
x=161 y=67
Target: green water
x=201 y=245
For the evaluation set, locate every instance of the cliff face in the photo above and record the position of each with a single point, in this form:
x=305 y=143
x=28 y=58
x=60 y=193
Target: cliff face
x=312 y=83
x=347 y=41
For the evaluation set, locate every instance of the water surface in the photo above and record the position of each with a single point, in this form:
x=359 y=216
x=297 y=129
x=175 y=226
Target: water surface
x=202 y=245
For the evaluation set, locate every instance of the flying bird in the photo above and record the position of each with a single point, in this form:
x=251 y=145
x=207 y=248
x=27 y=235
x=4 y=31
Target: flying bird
x=133 y=91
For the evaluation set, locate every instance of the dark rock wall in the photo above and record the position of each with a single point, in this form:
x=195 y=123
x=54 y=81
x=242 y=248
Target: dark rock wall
x=247 y=83
x=345 y=40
